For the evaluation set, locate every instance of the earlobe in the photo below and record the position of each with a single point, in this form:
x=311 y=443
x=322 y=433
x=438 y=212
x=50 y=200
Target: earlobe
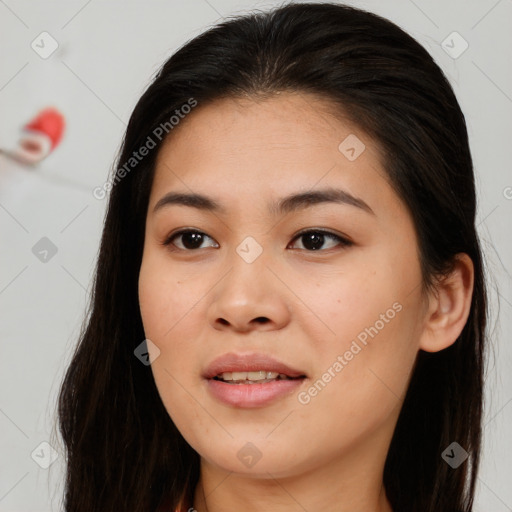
x=449 y=308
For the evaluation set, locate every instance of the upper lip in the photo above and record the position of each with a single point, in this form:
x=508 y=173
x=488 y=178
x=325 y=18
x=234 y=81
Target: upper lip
x=233 y=362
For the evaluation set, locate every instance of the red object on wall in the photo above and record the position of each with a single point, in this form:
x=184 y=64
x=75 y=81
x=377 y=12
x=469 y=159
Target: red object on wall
x=49 y=122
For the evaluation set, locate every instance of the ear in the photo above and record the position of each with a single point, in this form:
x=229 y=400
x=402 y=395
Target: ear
x=449 y=307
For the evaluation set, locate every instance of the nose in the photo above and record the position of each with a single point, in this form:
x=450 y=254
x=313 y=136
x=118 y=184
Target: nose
x=249 y=297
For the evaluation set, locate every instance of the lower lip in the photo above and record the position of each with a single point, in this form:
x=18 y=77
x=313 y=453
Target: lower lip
x=252 y=395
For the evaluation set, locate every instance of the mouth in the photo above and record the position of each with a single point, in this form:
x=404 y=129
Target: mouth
x=250 y=367
x=251 y=380
x=257 y=377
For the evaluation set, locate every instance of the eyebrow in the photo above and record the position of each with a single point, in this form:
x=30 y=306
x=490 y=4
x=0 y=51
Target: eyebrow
x=288 y=204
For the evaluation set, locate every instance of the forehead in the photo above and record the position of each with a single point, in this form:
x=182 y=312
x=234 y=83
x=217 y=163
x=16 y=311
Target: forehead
x=291 y=124
x=242 y=149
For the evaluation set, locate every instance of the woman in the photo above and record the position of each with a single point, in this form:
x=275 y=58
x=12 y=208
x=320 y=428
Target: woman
x=289 y=303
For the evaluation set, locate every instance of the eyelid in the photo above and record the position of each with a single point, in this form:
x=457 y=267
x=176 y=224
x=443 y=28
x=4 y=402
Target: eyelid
x=168 y=239
x=343 y=240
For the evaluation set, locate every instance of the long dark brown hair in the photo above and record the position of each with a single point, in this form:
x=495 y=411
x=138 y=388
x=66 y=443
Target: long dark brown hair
x=123 y=450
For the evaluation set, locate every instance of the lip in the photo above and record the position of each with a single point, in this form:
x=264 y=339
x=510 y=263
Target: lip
x=251 y=395
x=233 y=362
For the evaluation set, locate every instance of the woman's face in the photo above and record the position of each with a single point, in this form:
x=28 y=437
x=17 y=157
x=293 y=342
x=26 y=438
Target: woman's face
x=348 y=317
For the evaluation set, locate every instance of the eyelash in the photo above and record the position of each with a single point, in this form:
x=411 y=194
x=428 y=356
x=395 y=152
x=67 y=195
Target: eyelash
x=342 y=241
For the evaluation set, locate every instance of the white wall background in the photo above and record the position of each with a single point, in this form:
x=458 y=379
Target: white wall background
x=108 y=51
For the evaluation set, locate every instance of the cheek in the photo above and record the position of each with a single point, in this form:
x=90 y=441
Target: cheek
x=360 y=386
x=165 y=299
x=344 y=304
x=167 y=302
x=164 y=303
x=365 y=359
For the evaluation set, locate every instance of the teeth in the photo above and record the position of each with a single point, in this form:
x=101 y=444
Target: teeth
x=251 y=376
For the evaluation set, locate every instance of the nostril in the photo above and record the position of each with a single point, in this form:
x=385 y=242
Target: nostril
x=261 y=320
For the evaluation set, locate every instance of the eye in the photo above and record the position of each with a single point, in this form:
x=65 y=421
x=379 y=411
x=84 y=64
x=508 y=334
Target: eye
x=191 y=239
x=313 y=239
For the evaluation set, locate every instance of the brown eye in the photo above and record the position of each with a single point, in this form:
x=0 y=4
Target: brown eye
x=191 y=239
x=314 y=240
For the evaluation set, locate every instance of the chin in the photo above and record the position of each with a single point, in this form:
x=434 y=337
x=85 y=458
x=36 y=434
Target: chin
x=256 y=459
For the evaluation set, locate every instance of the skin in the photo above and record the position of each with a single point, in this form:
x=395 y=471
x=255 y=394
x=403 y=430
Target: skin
x=197 y=304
